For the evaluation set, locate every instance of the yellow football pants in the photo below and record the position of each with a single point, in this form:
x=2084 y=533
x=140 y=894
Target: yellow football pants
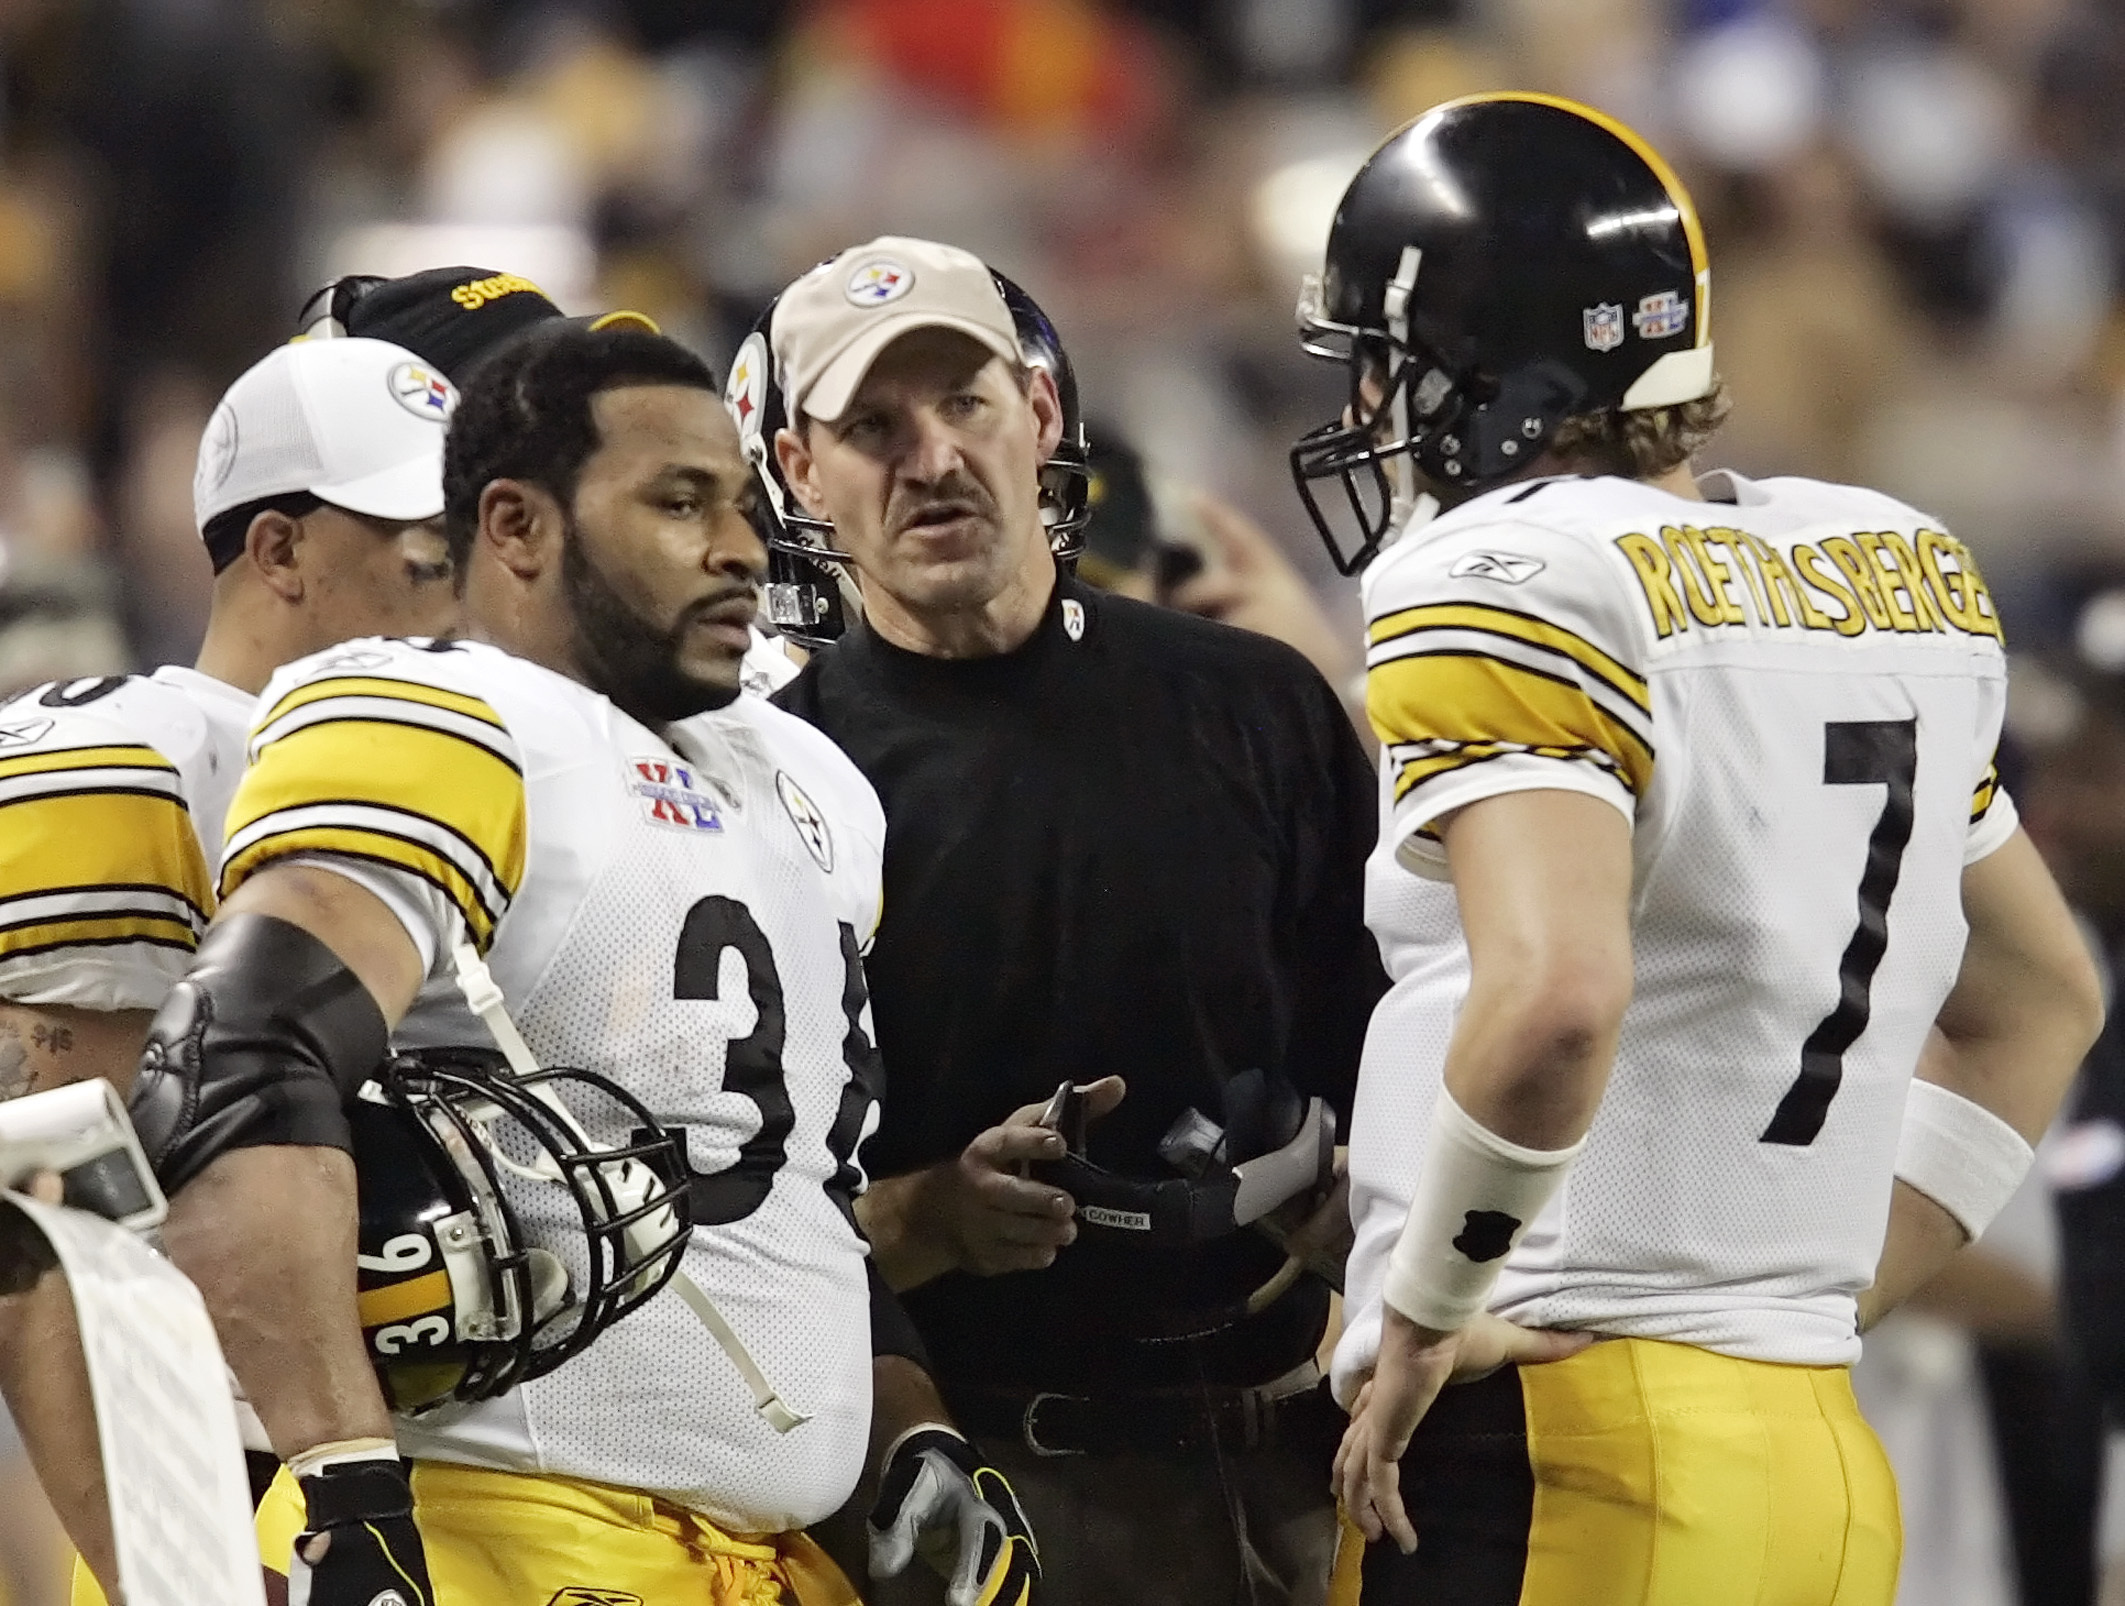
x=505 y=1539
x=1661 y=1475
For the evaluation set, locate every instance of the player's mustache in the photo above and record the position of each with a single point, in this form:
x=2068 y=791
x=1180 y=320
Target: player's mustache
x=956 y=493
x=747 y=595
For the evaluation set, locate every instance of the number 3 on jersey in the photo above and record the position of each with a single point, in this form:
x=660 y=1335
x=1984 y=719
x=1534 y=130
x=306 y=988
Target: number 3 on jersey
x=752 y=1064
x=1875 y=752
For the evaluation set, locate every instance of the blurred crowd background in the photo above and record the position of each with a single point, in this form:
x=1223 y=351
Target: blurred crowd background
x=1916 y=210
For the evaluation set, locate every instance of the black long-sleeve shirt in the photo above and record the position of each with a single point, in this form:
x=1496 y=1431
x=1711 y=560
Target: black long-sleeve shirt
x=1132 y=846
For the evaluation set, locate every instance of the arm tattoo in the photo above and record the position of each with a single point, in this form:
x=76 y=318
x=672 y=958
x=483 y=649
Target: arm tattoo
x=14 y=1061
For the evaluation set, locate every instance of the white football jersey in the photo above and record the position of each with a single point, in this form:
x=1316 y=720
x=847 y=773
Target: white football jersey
x=683 y=914
x=1794 y=695
x=113 y=792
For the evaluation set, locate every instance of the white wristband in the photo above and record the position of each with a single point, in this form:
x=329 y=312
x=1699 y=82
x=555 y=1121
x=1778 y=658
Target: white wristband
x=1960 y=1155
x=340 y=1452
x=1475 y=1196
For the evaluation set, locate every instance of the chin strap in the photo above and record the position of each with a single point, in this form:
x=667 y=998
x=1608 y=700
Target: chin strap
x=630 y=1181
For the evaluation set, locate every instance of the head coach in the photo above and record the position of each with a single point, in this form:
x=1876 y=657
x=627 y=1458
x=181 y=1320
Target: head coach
x=1122 y=892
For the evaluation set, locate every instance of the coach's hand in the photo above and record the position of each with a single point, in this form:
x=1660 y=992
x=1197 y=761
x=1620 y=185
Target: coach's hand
x=936 y=1496
x=1415 y=1363
x=360 y=1548
x=990 y=1217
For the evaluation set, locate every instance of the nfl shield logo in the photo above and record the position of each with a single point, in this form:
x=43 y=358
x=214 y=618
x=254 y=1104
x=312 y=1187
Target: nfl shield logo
x=1604 y=326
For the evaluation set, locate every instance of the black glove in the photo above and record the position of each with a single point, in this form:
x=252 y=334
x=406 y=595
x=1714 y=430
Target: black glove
x=375 y=1557
x=936 y=1497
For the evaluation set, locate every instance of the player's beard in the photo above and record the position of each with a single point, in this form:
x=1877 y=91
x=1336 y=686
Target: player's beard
x=632 y=659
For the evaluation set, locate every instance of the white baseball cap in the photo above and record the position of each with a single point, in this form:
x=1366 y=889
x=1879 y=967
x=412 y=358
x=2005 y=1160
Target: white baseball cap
x=357 y=423
x=830 y=326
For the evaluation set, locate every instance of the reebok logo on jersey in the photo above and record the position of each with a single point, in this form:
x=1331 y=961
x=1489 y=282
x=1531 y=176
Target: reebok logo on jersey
x=670 y=796
x=1508 y=568
x=579 y=1595
x=22 y=732
x=348 y=663
x=1486 y=1234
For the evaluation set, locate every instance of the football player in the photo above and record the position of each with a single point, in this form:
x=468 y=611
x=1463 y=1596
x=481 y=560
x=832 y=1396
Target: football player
x=318 y=496
x=456 y=318
x=1693 y=851
x=673 y=886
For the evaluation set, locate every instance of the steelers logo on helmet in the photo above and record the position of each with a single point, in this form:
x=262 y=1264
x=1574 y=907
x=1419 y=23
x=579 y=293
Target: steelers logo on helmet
x=746 y=393
x=422 y=391
x=879 y=281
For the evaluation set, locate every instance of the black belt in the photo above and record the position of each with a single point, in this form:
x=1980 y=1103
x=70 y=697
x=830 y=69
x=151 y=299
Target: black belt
x=1151 y=1421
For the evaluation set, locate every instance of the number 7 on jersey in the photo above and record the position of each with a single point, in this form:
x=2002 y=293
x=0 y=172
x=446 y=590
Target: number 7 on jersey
x=1871 y=752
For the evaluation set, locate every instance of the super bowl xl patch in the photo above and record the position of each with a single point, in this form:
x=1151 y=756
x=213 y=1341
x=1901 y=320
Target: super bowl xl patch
x=670 y=795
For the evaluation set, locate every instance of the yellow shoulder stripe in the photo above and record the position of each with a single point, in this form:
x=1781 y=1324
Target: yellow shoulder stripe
x=1469 y=701
x=68 y=842
x=29 y=937
x=405 y=691
x=439 y=805
x=375 y=847
x=132 y=756
x=1523 y=627
x=1981 y=798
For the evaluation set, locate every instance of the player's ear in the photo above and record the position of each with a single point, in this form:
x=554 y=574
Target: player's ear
x=521 y=524
x=1046 y=403
x=799 y=469
x=270 y=548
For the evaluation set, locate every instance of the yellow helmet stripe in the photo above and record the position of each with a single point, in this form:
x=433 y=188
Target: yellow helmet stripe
x=1693 y=230
x=394 y=1302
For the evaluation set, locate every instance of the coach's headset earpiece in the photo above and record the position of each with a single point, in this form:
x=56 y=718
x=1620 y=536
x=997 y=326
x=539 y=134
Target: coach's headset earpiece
x=1211 y=1197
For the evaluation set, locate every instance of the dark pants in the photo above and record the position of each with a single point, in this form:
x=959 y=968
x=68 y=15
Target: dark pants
x=1187 y=1528
x=2048 y=1428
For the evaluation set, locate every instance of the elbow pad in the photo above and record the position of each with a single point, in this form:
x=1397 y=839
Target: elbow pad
x=261 y=1044
x=892 y=1329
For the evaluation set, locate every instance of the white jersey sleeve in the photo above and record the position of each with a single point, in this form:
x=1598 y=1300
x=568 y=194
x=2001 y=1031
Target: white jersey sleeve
x=1502 y=658
x=379 y=754
x=104 y=889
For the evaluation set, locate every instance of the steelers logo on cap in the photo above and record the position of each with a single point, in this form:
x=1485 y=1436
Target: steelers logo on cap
x=879 y=281
x=422 y=392
x=217 y=450
x=747 y=390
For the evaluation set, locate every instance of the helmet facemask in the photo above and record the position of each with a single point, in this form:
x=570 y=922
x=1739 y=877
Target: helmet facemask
x=1374 y=450
x=556 y=1236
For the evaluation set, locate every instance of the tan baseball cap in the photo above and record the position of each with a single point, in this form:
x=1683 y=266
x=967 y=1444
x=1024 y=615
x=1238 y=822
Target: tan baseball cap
x=830 y=326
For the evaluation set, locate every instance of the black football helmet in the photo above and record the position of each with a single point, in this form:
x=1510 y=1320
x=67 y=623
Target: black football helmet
x=1502 y=263
x=810 y=599
x=498 y=1239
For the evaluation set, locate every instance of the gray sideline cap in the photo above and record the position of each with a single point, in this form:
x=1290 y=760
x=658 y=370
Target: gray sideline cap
x=830 y=326
x=357 y=423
